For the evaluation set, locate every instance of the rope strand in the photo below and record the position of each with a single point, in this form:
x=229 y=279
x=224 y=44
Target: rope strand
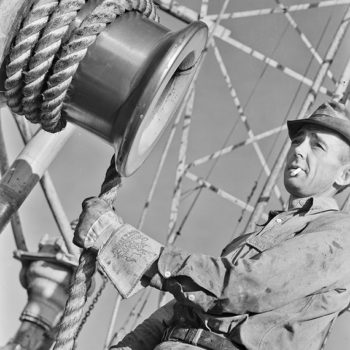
x=22 y=49
x=75 y=304
x=45 y=50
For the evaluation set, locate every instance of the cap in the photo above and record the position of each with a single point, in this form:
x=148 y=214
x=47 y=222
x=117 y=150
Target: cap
x=331 y=115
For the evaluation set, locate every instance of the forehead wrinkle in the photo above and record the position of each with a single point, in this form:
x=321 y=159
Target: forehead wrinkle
x=313 y=131
x=318 y=131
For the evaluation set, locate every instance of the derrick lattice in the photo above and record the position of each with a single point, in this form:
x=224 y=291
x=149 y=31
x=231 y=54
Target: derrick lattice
x=253 y=78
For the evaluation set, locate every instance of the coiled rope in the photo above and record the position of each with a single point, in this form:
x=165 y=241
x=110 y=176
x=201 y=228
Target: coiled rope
x=42 y=63
x=43 y=60
x=45 y=50
x=21 y=51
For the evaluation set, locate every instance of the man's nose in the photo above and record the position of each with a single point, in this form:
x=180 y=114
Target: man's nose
x=301 y=148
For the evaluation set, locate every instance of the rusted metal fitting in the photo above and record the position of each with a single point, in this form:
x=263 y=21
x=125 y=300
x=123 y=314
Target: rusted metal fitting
x=46 y=276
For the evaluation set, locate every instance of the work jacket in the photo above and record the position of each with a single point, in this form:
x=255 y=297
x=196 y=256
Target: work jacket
x=278 y=288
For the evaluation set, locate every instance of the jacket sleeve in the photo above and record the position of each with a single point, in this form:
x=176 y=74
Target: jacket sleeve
x=125 y=258
x=150 y=332
x=315 y=259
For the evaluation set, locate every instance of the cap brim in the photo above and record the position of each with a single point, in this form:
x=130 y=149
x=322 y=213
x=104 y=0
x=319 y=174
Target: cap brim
x=337 y=125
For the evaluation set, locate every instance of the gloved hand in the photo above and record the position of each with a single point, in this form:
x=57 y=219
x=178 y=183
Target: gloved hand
x=97 y=222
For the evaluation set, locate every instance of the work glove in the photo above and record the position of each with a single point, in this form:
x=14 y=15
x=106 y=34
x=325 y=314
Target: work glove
x=97 y=222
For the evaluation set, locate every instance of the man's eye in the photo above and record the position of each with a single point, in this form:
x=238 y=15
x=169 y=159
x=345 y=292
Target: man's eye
x=319 y=145
x=296 y=141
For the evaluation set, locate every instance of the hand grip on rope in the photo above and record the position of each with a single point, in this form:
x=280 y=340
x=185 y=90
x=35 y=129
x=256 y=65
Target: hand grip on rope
x=82 y=278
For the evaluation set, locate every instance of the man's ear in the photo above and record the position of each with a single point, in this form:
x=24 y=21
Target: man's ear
x=343 y=178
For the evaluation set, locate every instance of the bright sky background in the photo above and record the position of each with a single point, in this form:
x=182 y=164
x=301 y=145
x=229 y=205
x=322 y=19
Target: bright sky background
x=267 y=96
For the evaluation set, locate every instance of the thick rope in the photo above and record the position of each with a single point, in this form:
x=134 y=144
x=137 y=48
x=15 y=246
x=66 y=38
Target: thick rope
x=41 y=98
x=92 y=305
x=45 y=50
x=77 y=297
x=81 y=281
x=22 y=49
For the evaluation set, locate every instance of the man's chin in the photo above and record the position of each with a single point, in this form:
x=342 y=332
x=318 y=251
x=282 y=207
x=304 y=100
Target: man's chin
x=295 y=187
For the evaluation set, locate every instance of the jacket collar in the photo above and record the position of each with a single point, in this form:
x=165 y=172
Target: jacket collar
x=313 y=204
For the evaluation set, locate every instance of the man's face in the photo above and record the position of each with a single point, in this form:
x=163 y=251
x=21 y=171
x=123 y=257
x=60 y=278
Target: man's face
x=314 y=162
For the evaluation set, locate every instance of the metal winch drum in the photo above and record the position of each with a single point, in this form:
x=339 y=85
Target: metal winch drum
x=131 y=83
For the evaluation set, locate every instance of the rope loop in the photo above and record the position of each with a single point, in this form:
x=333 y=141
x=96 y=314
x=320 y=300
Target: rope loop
x=43 y=61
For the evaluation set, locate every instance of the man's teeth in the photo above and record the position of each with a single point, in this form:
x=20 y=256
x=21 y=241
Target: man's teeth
x=295 y=172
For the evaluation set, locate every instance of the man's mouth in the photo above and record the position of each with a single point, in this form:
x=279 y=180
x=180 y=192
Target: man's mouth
x=294 y=171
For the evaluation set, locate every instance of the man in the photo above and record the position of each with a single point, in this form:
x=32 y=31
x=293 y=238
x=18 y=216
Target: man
x=280 y=287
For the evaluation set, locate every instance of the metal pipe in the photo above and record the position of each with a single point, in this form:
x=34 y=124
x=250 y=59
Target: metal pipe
x=23 y=127
x=277 y=10
x=310 y=98
x=50 y=192
x=182 y=13
x=15 y=219
x=342 y=91
x=58 y=213
x=27 y=169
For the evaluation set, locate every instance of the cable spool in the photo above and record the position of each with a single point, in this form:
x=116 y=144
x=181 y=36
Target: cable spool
x=131 y=82
x=126 y=87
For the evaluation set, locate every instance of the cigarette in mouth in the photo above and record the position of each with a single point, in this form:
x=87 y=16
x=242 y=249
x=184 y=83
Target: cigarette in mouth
x=295 y=172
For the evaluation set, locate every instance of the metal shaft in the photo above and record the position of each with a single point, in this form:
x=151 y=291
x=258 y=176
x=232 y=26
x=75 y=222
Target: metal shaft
x=27 y=169
x=50 y=193
x=15 y=220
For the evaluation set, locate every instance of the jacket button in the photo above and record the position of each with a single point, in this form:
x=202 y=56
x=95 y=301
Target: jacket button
x=167 y=274
x=191 y=297
x=278 y=220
